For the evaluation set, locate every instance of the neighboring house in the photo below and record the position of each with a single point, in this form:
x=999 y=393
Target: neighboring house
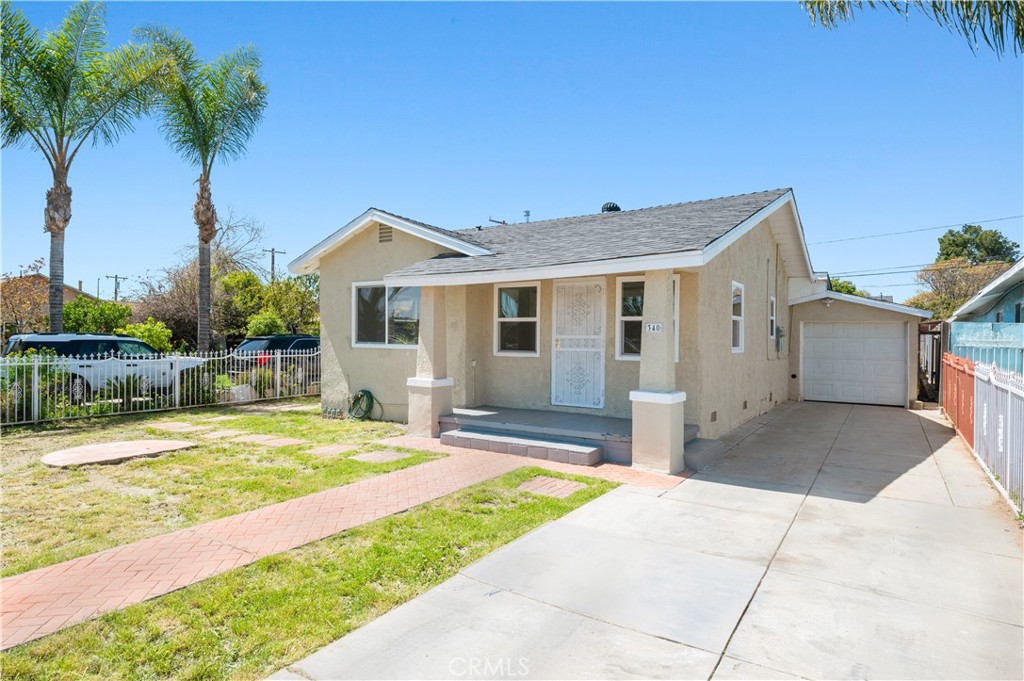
x=990 y=326
x=26 y=302
x=701 y=314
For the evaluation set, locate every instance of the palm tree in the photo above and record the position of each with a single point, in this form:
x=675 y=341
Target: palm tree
x=59 y=90
x=994 y=21
x=210 y=111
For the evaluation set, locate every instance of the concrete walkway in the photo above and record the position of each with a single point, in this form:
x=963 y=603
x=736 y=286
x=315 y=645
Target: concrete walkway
x=46 y=600
x=833 y=541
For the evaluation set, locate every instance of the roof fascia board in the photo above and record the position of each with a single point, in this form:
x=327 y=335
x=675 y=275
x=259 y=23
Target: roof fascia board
x=981 y=296
x=737 y=232
x=310 y=260
x=859 y=300
x=565 y=271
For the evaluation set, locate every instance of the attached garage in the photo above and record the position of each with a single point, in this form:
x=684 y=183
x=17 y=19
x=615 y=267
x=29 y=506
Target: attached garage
x=851 y=349
x=862 y=362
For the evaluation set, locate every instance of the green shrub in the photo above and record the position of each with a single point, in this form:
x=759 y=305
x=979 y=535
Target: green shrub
x=266 y=323
x=88 y=315
x=150 y=331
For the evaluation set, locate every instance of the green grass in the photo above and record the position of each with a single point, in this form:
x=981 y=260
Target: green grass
x=251 y=621
x=51 y=515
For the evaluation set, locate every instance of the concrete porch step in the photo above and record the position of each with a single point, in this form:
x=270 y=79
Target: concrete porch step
x=537 y=448
x=690 y=431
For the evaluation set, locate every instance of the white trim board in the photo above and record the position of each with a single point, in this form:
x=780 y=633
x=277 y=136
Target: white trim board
x=860 y=300
x=310 y=260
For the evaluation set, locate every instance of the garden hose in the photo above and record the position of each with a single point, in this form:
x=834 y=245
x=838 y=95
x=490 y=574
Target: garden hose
x=361 y=408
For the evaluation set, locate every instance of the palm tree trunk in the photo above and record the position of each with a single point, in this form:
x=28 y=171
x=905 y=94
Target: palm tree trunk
x=206 y=220
x=55 y=220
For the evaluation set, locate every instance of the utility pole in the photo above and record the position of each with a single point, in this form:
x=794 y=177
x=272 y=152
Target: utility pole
x=273 y=252
x=117 y=283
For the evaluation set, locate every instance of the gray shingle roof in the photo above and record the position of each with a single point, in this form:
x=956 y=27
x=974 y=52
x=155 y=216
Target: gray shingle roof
x=602 y=236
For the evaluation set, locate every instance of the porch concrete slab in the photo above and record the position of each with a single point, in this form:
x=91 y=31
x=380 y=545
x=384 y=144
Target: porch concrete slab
x=466 y=629
x=884 y=562
x=987 y=530
x=679 y=595
x=896 y=461
x=819 y=630
x=870 y=483
x=744 y=535
x=777 y=500
x=731 y=669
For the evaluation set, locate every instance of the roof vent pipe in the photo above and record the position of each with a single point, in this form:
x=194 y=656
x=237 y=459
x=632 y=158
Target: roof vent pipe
x=610 y=207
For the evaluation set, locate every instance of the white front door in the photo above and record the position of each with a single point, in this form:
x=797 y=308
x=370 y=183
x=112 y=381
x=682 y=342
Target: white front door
x=577 y=358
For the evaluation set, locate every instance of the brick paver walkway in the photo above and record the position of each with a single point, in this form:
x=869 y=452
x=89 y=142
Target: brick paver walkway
x=46 y=600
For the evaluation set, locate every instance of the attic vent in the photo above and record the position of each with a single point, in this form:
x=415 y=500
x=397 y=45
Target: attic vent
x=610 y=207
x=385 y=234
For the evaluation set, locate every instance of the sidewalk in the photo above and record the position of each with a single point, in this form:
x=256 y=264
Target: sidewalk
x=43 y=601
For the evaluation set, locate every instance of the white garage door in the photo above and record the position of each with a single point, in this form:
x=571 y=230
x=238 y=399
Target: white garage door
x=860 y=362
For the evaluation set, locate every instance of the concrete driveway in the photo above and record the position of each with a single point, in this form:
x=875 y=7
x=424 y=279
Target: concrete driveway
x=832 y=541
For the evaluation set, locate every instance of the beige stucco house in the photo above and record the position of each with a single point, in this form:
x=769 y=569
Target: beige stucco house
x=649 y=325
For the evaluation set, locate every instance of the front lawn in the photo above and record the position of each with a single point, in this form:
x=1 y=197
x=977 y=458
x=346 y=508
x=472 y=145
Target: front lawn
x=252 y=621
x=51 y=514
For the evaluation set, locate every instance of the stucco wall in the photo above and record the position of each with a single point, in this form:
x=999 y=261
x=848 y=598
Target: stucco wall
x=842 y=311
x=346 y=369
x=1006 y=305
x=737 y=386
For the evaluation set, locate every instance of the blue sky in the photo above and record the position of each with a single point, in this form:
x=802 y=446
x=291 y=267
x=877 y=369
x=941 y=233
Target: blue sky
x=455 y=113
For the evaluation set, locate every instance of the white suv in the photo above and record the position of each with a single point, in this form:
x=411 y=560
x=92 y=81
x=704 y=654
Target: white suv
x=94 y=360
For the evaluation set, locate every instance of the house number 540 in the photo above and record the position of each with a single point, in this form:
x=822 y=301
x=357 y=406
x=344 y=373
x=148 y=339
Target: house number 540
x=654 y=327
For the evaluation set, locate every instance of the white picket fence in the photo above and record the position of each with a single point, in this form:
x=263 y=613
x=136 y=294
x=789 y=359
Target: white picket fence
x=36 y=388
x=999 y=428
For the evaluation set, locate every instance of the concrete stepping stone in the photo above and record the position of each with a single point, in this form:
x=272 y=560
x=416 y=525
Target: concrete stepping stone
x=112 y=452
x=551 y=487
x=218 y=434
x=179 y=427
x=218 y=419
x=381 y=457
x=332 y=449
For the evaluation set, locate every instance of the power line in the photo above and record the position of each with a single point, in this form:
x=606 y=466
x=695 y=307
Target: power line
x=914 y=231
x=911 y=269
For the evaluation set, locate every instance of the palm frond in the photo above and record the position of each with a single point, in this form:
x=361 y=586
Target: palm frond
x=236 y=101
x=995 y=22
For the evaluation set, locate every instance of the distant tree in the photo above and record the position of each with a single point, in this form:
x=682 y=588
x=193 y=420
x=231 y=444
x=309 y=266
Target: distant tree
x=209 y=111
x=150 y=331
x=58 y=91
x=89 y=315
x=170 y=295
x=265 y=323
x=977 y=245
x=994 y=21
x=294 y=300
x=237 y=296
x=23 y=300
x=951 y=283
x=846 y=286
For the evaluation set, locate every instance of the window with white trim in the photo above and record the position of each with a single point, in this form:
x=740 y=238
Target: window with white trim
x=737 y=317
x=385 y=315
x=772 y=327
x=517 y=320
x=629 y=312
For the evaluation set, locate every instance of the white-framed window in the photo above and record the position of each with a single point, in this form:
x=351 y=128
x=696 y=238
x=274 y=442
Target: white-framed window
x=517 y=319
x=772 y=326
x=629 y=317
x=737 y=313
x=385 y=316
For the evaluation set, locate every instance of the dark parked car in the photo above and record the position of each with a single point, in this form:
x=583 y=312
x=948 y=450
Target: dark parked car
x=300 y=357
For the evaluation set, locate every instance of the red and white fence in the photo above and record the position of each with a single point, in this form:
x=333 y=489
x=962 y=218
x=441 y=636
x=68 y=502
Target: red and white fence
x=44 y=387
x=986 y=406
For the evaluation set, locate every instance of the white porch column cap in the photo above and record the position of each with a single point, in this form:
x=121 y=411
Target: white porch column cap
x=430 y=382
x=674 y=397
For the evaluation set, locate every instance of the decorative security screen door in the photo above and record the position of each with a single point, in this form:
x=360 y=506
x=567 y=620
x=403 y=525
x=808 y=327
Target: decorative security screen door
x=577 y=358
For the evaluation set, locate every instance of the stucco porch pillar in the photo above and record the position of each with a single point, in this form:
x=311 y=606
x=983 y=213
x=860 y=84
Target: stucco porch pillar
x=430 y=391
x=658 y=425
